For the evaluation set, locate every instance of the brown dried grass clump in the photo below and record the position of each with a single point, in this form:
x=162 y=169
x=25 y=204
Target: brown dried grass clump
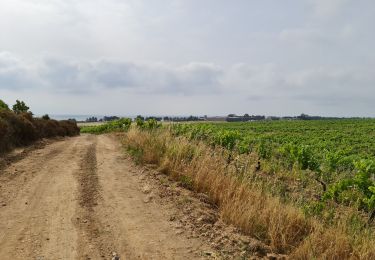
x=242 y=203
x=328 y=244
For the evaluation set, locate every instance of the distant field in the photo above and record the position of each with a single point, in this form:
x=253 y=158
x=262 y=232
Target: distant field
x=82 y=124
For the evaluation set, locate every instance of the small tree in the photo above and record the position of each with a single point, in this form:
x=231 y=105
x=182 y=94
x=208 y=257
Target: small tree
x=3 y=106
x=20 y=107
x=46 y=117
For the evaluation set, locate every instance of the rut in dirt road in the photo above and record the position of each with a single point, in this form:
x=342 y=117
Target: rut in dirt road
x=93 y=242
x=80 y=198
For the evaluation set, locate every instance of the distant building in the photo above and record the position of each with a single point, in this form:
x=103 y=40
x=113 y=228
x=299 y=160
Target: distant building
x=216 y=118
x=244 y=118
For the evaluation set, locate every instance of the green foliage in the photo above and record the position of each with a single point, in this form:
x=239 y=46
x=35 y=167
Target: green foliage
x=360 y=189
x=320 y=145
x=186 y=181
x=370 y=199
x=136 y=153
x=226 y=138
x=150 y=124
x=365 y=175
x=20 y=107
x=139 y=122
x=314 y=208
x=245 y=145
x=265 y=149
x=3 y=106
x=301 y=154
x=121 y=125
x=340 y=160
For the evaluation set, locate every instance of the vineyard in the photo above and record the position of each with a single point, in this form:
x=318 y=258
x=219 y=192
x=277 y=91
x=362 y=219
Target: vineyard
x=337 y=154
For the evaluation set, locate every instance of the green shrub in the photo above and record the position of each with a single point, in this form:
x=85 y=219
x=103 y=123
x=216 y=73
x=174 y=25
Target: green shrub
x=139 y=122
x=265 y=149
x=303 y=155
x=360 y=189
x=46 y=117
x=3 y=106
x=227 y=138
x=150 y=124
x=20 y=107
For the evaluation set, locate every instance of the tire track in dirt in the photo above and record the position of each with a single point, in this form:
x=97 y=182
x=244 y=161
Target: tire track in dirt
x=95 y=241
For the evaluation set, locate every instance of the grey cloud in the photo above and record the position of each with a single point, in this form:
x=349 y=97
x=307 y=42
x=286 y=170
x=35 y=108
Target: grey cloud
x=89 y=76
x=328 y=86
x=330 y=8
x=64 y=76
x=15 y=74
x=190 y=79
x=343 y=88
x=120 y=74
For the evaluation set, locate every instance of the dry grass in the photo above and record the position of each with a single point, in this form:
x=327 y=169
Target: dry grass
x=241 y=203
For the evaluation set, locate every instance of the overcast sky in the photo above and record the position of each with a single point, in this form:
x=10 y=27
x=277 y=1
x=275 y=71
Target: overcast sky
x=181 y=57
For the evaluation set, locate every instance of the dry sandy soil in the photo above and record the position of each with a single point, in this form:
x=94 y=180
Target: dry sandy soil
x=83 y=198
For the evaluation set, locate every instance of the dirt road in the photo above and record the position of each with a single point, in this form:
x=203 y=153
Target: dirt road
x=80 y=198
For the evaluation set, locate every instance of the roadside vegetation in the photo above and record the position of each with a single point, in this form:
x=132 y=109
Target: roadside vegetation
x=305 y=188
x=18 y=127
x=120 y=125
x=112 y=126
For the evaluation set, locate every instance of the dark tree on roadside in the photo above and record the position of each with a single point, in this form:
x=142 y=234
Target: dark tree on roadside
x=20 y=107
x=46 y=117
